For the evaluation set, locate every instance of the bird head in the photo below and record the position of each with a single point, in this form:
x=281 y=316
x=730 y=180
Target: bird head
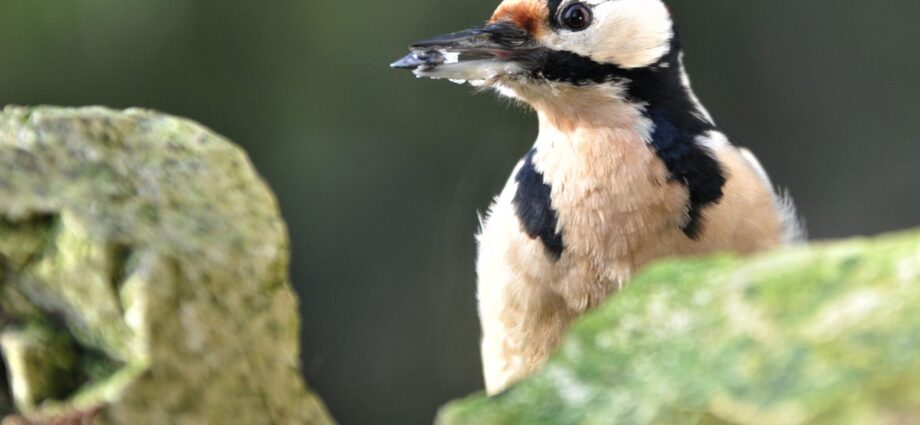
x=532 y=47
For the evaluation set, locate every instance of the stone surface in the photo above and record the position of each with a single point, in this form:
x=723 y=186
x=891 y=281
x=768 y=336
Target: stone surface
x=46 y=357
x=827 y=334
x=142 y=255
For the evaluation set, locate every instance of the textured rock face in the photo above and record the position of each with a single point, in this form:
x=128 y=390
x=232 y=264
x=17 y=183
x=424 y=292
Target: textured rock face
x=143 y=273
x=828 y=334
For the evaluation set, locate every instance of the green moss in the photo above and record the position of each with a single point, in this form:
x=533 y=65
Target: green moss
x=44 y=359
x=159 y=257
x=826 y=334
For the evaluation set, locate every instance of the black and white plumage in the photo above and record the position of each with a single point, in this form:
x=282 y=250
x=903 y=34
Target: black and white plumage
x=628 y=167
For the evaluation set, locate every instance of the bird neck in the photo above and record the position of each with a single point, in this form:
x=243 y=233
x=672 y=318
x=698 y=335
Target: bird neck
x=651 y=108
x=588 y=93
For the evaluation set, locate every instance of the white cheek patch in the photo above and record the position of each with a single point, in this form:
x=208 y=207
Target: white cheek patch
x=628 y=33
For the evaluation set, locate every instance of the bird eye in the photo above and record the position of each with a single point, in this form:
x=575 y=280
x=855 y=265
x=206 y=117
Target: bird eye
x=575 y=17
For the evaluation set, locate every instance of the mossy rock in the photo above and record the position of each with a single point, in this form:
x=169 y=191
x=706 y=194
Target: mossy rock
x=143 y=275
x=827 y=334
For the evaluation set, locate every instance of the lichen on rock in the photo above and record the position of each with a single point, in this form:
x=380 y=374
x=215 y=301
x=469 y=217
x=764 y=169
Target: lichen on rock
x=143 y=275
x=826 y=334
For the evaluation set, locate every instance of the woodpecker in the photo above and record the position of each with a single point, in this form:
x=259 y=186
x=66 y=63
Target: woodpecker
x=628 y=167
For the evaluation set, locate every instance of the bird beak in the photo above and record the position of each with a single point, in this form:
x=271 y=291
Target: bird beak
x=475 y=55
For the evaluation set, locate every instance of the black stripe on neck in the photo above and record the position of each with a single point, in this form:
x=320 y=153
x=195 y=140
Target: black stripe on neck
x=677 y=120
x=553 y=6
x=534 y=209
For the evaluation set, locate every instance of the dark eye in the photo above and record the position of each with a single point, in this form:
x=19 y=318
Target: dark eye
x=575 y=17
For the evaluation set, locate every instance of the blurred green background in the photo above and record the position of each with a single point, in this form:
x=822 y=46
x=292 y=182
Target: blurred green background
x=380 y=175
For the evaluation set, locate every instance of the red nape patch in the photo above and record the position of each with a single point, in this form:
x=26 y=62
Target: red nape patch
x=526 y=14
